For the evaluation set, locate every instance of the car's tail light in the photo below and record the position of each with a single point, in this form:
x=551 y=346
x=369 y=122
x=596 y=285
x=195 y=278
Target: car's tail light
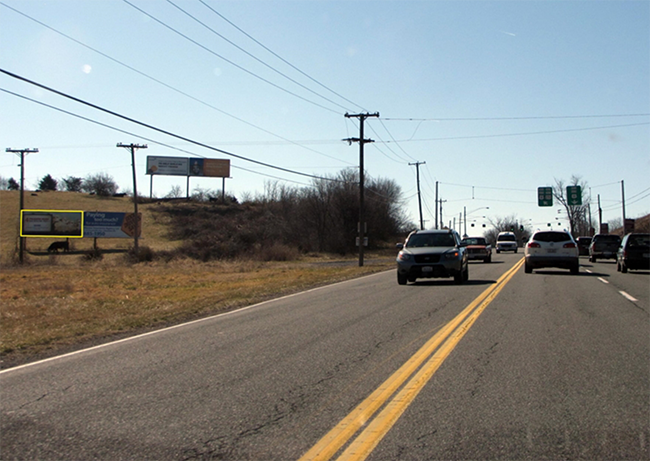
x=569 y=245
x=534 y=245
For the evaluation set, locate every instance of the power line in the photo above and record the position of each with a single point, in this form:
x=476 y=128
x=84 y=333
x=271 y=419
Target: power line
x=532 y=117
x=194 y=18
x=162 y=23
x=151 y=127
x=160 y=82
x=278 y=56
x=503 y=135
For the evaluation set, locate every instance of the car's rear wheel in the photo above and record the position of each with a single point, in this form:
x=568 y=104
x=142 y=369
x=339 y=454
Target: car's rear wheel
x=401 y=279
x=488 y=259
x=575 y=268
x=623 y=268
x=528 y=269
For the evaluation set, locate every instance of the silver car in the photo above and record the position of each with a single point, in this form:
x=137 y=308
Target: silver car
x=551 y=249
x=432 y=253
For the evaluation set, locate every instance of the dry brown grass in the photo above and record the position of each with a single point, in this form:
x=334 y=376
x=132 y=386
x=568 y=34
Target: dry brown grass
x=47 y=308
x=62 y=302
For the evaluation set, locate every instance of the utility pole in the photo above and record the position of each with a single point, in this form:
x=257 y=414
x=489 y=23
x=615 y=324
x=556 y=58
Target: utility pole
x=361 y=140
x=600 y=216
x=623 y=202
x=436 y=207
x=133 y=147
x=464 y=221
x=22 y=153
x=417 y=173
x=441 y=224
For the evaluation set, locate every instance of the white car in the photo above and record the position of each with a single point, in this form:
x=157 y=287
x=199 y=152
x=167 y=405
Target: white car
x=551 y=249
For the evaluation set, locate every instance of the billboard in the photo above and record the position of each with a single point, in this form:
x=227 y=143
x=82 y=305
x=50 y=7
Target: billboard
x=181 y=166
x=168 y=166
x=211 y=167
x=51 y=223
x=100 y=224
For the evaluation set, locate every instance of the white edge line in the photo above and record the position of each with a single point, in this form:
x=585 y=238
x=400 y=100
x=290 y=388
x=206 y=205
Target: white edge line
x=132 y=338
x=628 y=297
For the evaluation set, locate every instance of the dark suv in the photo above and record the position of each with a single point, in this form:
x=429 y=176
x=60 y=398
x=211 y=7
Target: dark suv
x=634 y=253
x=432 y=253
x=604 y=246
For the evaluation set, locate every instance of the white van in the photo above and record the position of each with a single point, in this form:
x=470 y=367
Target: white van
x=506 y=241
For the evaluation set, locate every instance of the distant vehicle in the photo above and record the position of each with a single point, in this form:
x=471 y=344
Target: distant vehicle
x=583 y=245
x=634 y=253
x=604 y=246
x=551 y=249
x=506 y=241
x=432 y=253
x=477 y=248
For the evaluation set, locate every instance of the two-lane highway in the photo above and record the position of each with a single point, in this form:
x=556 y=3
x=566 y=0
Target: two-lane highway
x=510 y=365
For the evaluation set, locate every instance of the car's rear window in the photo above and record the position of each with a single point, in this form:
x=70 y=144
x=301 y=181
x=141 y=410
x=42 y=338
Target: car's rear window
x=607 y=238
x=474 y=241
x=551 y=237
x=506 y=238
x=430 y=240
x=639 y=241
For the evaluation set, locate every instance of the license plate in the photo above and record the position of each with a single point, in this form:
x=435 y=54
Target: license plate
x=427 y=269
x=552 y=251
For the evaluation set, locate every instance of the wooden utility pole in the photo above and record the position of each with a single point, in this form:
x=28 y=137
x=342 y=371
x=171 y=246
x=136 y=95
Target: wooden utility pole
x=361 y=140
x=417 y=174
x=22 y=153
x=436 y=207
x=133 y=147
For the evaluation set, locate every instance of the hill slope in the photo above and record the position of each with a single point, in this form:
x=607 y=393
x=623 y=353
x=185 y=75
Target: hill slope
x=154 y=225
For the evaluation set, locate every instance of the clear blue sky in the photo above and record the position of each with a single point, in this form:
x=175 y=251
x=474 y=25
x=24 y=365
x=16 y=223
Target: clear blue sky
x=497 y=97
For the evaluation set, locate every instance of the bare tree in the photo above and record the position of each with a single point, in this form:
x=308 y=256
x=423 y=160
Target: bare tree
x=578 y=215
x=101 y=184
x=508 y=224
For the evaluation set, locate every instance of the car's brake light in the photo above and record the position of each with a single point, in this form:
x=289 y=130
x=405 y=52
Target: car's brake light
x=534 y=245
x=569 y=245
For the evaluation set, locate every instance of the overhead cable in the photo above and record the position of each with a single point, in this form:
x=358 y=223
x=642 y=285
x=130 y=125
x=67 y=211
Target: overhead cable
x=278 y=56
x=194 y=18
x=160 y=130
x=160 y=82
x=186 y=37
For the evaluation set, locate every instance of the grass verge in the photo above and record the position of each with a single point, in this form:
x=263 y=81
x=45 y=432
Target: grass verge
x=50 y=309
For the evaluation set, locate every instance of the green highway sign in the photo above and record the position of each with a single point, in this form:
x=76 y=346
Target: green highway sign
x=574 y=195
x=545 y=196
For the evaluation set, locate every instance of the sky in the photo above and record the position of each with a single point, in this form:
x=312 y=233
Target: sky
x=493 y=98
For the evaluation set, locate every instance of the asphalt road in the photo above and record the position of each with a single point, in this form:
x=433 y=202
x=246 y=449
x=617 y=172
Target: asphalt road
x=543 y=366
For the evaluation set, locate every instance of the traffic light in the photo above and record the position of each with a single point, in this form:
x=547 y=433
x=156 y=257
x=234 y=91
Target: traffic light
x=521 y=228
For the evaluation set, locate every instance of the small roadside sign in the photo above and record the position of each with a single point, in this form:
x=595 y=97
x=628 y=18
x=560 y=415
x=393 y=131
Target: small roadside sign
x=545 y=196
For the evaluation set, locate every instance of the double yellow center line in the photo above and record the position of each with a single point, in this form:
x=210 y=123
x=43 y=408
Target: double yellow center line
x=436 y=351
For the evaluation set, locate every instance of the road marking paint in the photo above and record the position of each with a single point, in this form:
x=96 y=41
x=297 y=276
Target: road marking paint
x=332 y=442
x=603 y=280
x=628 y=296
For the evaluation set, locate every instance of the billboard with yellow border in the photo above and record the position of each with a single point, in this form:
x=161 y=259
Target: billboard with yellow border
x=52 y=223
